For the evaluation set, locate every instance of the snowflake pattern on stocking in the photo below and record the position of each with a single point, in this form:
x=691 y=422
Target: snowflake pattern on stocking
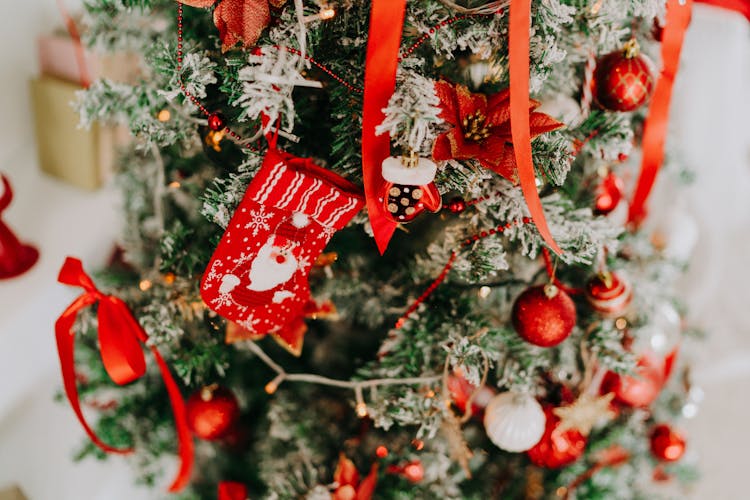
x=249 y=323
x=258 y=221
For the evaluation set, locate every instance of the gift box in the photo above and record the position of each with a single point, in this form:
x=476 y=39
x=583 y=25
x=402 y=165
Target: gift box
x=82 y=157
x=12 y=493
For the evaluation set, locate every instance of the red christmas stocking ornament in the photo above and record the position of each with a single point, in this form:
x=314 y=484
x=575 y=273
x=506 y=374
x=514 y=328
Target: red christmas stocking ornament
x=258 y=274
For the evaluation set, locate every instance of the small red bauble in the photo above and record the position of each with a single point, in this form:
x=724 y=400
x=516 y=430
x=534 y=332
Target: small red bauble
x=609 y=294
x=638 y=391
x=666 y=444
x=211 y=412
x=544 y=315
x=557 y=449
x=608 y=194
x=457 y=205
x=216 y=122
x=623 y=79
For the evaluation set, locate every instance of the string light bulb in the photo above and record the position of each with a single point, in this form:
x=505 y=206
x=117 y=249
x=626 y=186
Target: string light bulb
x=327 y=13
x=271 y=387
x=144 y=285
x=164 y=115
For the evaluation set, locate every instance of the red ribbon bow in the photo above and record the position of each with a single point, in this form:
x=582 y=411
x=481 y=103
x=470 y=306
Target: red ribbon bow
x=120 y=336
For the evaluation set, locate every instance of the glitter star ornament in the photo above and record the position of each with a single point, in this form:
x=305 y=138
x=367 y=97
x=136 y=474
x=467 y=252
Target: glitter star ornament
x=585 y=413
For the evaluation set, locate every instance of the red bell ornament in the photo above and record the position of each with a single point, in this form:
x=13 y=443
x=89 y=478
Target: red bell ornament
x=211 y=412
x=557 y=449
x=544 y=315
x=408 y=189
x=623 y=79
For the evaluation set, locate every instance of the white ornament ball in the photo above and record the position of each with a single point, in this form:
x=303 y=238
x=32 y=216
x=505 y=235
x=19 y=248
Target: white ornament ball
x=514 y=422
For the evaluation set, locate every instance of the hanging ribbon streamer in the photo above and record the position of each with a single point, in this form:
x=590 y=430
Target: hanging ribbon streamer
x=657 y=120
x=120 y=337
x=229 y=490
x=740 y=6
x=70 y=24
x=384 y=39
x=518 y=66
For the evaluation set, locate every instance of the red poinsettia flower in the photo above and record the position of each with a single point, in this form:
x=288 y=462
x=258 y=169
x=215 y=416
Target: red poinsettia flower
x=348 y=484
x=238 y=20
x=481 y=128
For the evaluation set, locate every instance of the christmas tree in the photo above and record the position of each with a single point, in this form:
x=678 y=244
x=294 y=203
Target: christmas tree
x=384 y=250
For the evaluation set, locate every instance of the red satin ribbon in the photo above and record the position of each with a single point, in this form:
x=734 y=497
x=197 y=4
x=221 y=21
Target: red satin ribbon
x=70 y=24
x=120 y=337
x=519 y=19
x=655 y=127
x=384 y=38
x=229 y=490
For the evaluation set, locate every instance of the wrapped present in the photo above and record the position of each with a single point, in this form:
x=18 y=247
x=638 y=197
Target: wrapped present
x=82 y=157
x=12 y=493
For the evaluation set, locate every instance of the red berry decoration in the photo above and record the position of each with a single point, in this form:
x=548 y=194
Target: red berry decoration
x=211 y=412
x=557 y=449
x=457 y=205
x=638 y=391
x=544 y=315
x=666 y=444
x=608 y=194
x=623 y=79
x=216 y=122
x=609 y=294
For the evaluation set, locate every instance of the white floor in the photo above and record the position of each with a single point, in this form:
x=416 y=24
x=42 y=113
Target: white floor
x=38 y=436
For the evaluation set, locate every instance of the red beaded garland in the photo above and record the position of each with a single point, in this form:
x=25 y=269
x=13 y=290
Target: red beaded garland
x=216 y=122
x=457 y=205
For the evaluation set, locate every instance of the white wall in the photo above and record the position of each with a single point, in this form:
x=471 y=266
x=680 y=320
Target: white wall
x=20 y=25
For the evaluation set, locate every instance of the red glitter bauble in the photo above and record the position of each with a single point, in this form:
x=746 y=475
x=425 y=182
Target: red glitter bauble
x=211 y=412
x=609 y=294
x=544 y=315
x=557 y=449
x=608 y=194
x=624 y=80
x=638 y=391
x=216 y=122
x=666 y=444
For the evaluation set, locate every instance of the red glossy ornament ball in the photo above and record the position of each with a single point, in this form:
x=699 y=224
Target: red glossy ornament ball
x=557 y=449
x=609 y=294
x=211 y=412
x=414 y=471
x=544 y=315
x=624 y=79
x=638 y=391
x=216 y=122
x=608 y=194
x=457 y=205
x=666 y=444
